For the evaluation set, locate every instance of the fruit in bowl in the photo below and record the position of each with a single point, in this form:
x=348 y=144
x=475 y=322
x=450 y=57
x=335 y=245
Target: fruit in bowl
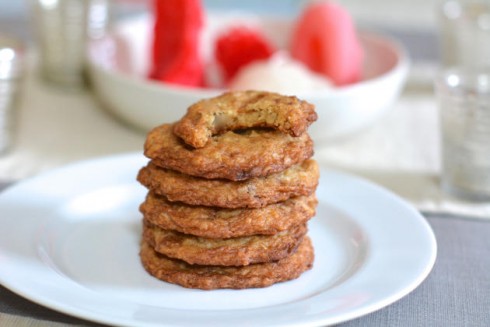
x=350 y=92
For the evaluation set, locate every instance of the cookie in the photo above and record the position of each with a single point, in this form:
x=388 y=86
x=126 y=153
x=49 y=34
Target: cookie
x=295 y=181
x=241 y=110
x=237 y=251
x=217 y=222
x=233 y=155
x=214 y=277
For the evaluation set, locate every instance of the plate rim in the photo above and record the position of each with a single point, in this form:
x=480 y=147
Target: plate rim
x=48 y=302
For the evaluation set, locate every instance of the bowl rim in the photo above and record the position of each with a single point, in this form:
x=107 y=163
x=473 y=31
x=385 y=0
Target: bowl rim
x=400 y=67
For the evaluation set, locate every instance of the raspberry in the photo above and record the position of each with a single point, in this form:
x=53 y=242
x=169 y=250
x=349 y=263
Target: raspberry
x=238 y=47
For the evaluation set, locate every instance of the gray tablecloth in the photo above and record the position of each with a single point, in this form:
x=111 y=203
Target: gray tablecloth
x=456 y=293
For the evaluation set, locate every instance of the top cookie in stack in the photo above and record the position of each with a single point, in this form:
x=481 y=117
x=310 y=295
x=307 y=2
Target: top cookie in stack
x=231 y=188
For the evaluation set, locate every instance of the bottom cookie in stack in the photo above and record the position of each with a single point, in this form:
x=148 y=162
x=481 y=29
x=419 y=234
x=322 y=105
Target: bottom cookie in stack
x=237 y=277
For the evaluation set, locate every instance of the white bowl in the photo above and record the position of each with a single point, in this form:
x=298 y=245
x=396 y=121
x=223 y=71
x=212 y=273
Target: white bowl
x=118 y=65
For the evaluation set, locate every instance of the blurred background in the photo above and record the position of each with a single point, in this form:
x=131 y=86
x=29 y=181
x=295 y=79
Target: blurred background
x=413 y=21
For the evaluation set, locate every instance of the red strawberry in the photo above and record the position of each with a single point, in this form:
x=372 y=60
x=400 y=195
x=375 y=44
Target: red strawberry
x=176 y=56
x=238 y=47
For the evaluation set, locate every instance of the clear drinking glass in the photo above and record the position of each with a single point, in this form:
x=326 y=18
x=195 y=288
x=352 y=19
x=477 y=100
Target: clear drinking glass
x=11 y=76
x=62 y=28
x=464 y=102
x=465 y=33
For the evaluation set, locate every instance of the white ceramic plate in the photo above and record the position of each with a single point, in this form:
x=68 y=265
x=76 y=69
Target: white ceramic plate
x=69 y=241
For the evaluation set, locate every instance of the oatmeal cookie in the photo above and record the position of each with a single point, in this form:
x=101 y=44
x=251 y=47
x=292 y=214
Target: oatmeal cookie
x=224 y=223
x=233 y=155
x=238 y=251
x=295 y=181
x=214 y=277
x=244 y=109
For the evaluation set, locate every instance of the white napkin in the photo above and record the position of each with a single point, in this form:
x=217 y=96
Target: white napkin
x=57 y=126
x=425 y=193
x=401 y=153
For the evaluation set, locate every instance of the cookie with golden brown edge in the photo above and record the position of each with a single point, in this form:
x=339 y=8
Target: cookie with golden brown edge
x=237 y=251
x=214 y=277
x=224 y=223
x=241 y=110
x=256 y=192
x=233 y=155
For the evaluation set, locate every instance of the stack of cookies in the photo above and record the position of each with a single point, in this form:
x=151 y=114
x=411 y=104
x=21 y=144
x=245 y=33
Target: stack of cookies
x=231 y=188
